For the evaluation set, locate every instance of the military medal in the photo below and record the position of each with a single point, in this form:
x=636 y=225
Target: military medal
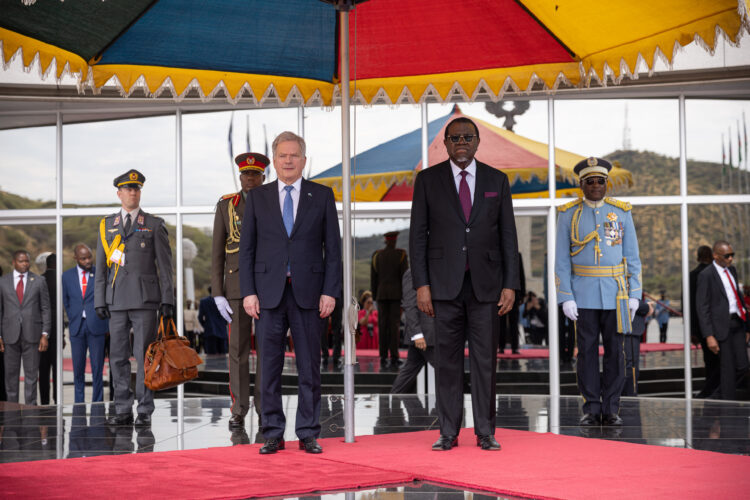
x=612 y=216
x=140 y=219
x=143 y=244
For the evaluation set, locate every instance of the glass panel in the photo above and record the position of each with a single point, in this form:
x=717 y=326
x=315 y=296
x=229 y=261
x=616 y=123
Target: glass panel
x=197 y=233
x=209 y=170
x=717 y=146
x=37 y=239
x=27 y=168
x=368 y=238
x=642 y=135
x=95 y=153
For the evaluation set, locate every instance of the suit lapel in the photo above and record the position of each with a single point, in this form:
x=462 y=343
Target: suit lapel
x=449 y=186
x=476 y=206
x=719 y=282
x=305 y=202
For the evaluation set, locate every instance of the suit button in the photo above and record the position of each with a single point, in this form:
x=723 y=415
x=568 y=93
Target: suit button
x=230 y=271
x=463 y=248
x=467 y=229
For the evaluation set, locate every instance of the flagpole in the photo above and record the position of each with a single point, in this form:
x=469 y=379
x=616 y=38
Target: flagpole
x=231 y=152
x=722 y=208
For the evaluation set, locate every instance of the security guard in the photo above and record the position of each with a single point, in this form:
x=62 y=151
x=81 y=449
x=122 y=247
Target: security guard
x=388 y=266
x=225 y=286
x=598 y=278
x=133 y=281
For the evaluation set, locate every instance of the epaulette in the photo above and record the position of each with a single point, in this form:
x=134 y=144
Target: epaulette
x=403 y=254
x=235 y=198
x=570 y=204
x=374 y=256
x=624 y=205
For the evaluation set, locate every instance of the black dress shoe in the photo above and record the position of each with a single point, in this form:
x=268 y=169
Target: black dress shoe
x=272 y=446
x=310 y=445
x=444 y=443
x=121 y=419
x=237 y=422
x=611 y=419
x=589 y=420
x=143 y=420
x=488 y=443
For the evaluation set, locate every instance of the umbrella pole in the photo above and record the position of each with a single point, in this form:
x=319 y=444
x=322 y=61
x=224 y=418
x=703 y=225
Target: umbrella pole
x=350 y=357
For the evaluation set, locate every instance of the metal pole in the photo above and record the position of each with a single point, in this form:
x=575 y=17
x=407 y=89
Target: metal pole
x=301 y=121
x=554 y=353
x=425 y=138
x=350 y=358
x=685 y=248
x=58 y=286
x=180 y=270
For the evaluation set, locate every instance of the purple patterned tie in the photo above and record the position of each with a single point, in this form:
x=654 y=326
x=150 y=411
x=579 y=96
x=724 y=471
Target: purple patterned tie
x=465 y=195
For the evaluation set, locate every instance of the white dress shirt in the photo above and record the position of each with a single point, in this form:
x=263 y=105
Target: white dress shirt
x=89 y=281
x=297 y=185
x=471 y=178
x=728 y=287
x=133 y=216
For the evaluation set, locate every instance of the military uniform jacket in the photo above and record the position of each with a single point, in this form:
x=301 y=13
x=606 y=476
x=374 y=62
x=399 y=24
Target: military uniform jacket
x=145 y=281
x=225 y=255
x=387 y=268
x=613 y=223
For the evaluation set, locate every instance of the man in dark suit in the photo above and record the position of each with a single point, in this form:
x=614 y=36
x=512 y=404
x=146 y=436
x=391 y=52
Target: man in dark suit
x=464 y=260
x=87 y=331
x=48 y=358
x=420 y=329
x=133 y=282
x=214 y=328
x=710 y=360
x=24 y=326
x=290 y=277
x=724 y=321
x=386 y=269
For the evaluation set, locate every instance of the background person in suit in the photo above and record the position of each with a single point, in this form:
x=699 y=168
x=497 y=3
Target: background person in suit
x=386 y=269
x=632 y=345
x=420 y=329
x=87 y=330
x=24 y=326
x=464 y=260
x=225 y=283
x=710 y=360
x=214 y=326
x=134 y=280
x=48 y=358
x=724 y=321
x=3 y=396
x=290 y=275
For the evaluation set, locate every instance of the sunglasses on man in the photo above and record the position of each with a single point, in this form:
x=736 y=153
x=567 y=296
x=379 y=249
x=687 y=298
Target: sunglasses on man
x=728 y=255
x=596 y=180
x=455 y=138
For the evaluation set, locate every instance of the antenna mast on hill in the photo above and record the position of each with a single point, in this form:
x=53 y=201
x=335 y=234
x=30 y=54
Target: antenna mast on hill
x=626 y=144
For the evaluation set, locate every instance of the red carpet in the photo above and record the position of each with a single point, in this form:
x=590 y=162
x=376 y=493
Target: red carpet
x=530 y=465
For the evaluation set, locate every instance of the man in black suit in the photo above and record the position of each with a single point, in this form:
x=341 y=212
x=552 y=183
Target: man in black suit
x=290 y=277
x=710 y=360
x=464 y=260
x=48 y=358
x=724 y=321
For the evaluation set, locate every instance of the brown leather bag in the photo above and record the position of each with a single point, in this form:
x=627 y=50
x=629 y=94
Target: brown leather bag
x=170 y=360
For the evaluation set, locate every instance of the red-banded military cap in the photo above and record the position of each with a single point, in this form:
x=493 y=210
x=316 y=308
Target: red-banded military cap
x=252 y=161
x=392 y=235
x=131 y=178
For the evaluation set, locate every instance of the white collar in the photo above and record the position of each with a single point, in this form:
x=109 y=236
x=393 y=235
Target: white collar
x=133 y=214
x=719 y=268
x=471 y=169
x=16 y=274
x=594 y=204
x=296 y=185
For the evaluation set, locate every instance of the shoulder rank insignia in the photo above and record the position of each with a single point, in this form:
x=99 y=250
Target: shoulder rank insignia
x=570 y=204
x=141 y=219
x=235 y=197
x=623 y=205
x=117 y=221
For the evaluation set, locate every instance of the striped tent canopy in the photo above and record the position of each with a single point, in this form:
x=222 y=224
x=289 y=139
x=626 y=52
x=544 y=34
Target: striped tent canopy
x=386 y=172
x=286 y=52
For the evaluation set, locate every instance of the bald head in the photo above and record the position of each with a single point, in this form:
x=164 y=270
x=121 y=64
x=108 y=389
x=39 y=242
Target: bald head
x=82 y=255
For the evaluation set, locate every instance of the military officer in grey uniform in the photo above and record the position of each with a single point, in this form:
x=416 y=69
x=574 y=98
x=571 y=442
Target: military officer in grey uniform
x=225 y=286
x=388 y=266
x=133 y=282
x=598 y=279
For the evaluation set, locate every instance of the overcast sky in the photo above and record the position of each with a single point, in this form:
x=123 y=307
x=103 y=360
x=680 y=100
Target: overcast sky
x=93 y=154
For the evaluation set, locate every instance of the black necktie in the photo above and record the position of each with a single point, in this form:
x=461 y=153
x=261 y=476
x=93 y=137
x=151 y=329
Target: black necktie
x=127 y=224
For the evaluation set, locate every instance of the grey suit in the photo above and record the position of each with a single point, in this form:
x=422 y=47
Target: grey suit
x=21 y=330
x=133 y=293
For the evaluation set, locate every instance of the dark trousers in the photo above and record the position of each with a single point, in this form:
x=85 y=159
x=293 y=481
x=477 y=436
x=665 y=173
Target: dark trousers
x=663 y=332
x=632 y=361
x=600 y=394
x=407 y=375
x=389 y=317
x=455 y=321
x=713 y=375
x=240 y=333
x=94 y=344
x=566 y=332
x=271 y=329
x=215 y=345
x=336 y=327
x=509 y=330
x=3 y=395
x=47 y=363
x=732 y=359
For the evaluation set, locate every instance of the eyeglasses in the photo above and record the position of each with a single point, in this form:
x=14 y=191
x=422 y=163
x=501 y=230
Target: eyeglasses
x=728 y=255
x=456 y=138
x=596 y=180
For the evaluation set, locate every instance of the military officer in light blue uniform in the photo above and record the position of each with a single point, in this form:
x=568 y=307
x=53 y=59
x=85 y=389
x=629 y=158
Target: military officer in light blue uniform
x=598 y=278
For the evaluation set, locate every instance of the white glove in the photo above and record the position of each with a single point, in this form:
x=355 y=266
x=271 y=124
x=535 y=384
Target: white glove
x=570 y=309
x=633 y=306
x=223 y=305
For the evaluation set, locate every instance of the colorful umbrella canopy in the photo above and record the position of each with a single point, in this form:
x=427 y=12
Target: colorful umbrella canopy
x=386 y=172
x=399 y=51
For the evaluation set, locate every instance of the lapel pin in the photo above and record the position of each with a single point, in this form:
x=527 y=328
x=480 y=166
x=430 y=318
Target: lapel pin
x=309 y=194
x=31 y=279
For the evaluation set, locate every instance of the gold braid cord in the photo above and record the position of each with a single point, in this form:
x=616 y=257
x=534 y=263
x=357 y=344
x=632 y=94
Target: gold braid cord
x=234 y=232
x=581 y=244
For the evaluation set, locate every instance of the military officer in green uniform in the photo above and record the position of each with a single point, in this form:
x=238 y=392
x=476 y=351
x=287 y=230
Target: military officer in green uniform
x=133 y=282
x=225 y=286
x=388 y=266
x=598 y=278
